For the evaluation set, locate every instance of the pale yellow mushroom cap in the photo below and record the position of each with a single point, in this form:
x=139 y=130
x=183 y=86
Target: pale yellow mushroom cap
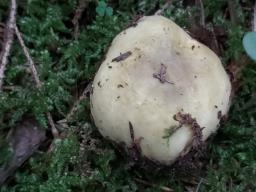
x=133 y=88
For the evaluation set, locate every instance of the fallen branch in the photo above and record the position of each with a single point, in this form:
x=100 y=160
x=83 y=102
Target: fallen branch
x=8 y=40
x=54 y=130
x=165 y=6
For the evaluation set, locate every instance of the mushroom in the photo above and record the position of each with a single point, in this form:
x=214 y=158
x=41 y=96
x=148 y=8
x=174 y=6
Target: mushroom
x=159 y=90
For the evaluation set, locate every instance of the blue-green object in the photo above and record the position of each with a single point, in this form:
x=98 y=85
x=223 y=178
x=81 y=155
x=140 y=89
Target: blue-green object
x=249 y=43
x=102 y=9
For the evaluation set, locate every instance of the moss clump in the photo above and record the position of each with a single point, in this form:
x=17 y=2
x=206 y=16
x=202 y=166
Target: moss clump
x=82 y=161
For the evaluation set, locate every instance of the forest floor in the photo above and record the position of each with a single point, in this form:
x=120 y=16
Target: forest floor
x=48 y=141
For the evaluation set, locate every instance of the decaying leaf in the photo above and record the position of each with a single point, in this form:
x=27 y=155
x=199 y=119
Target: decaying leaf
x=24 y=140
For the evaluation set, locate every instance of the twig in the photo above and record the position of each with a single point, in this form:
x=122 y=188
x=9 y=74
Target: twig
x=74 y=108
x=254 y=17
x=10 y=88
x=2 y=27
x=30 y=61
x=82 y=4
x=202 y=12
x=199 y=185
x=165 y=6
x=122 y=56
x=9 y=35
x=161 y=75
x=163 y=188
x=214 y=38
x=232 y=12
x=54 y=130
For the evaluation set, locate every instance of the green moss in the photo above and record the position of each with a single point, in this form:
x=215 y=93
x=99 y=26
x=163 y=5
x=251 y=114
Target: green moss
x=83 y=161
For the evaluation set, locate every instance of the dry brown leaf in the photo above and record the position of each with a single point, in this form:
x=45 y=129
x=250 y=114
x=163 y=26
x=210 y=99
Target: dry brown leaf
x=24 y=140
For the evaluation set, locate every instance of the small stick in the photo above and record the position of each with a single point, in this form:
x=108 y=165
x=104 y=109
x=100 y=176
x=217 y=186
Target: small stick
x=30 y=61
x=215 y=40
x=122 y=56
x=9 y=35
x=165 y=6
x=131 y=131
x=75 y=106
x=82 y=4
x=161 y=75
x=231 y=8
x=163 y=188
x=202 y=12
x=199 y=185
x=54 y=130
